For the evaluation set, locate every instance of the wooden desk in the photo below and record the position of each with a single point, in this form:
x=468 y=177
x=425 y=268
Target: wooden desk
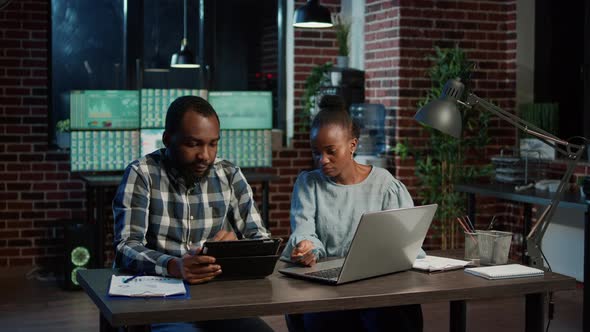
x=278 y=294
x=529 y=198
x=95 y=193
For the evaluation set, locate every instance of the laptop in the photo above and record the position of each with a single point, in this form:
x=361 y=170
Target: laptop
x=384 y=242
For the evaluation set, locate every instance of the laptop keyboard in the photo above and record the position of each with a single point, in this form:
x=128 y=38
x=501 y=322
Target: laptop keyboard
x=326 y=274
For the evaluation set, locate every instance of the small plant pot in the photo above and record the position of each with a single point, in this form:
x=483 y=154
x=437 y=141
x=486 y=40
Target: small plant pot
x=62 y=140
x=342 y=61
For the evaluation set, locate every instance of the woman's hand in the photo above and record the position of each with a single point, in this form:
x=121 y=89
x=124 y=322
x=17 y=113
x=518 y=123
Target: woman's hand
x=304 y=253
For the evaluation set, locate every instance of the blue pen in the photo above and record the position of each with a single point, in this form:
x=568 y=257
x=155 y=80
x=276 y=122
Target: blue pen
x=131 y=278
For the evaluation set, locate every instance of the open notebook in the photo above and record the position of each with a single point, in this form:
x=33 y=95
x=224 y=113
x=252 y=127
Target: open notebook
x=505 y=271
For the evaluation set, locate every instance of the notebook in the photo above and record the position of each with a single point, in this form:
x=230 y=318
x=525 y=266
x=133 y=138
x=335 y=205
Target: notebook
x=436 y=264
x=505 y=271
x=384 y=242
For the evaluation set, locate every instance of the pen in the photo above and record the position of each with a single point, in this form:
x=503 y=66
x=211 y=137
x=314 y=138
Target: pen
x=131 y=278
x=470 y=224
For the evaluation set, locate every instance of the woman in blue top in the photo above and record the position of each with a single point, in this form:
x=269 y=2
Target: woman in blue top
x=326 y=206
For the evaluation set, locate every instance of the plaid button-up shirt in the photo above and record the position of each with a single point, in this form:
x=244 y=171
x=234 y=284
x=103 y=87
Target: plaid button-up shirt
x=158 y=217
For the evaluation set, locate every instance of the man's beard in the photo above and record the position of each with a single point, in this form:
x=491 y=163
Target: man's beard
x=190 y=174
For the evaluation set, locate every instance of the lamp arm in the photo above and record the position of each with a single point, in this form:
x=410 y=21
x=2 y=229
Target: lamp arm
x=527 y=127
x=549 y=211
x=535 y=236
x=573 y=152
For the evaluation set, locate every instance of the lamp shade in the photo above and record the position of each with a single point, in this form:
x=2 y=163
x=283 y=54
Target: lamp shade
x=442 y=114
x=183 y=59
x=312 y=15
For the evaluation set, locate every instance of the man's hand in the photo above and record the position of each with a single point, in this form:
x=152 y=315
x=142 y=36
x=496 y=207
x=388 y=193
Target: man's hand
x=304 y=253
x=225 y=236
x=194 y=268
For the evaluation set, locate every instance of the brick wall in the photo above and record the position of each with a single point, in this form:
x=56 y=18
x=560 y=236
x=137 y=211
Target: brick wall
x=398 y=36
x=36 y=188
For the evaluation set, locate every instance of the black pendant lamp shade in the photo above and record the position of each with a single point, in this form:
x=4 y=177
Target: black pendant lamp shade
x=184 y=58
x=312 y=15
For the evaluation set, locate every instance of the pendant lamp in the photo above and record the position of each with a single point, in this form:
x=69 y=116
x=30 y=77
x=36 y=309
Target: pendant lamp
x=312 y=15
x=184 y=58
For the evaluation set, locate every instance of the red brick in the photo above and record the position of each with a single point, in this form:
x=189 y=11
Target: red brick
x=6 y=252
x=33 y=233
x=71 y=186
x=34 y=82
x=18 y=148
x=33 y=251
x=4 y=234
x=10 y=101
x=20 y=261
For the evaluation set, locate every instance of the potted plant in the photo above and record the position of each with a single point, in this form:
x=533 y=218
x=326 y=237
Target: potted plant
x=342 y=28
x=544 y=116
x=316 y=79
x=443 y=162
x=62 y=134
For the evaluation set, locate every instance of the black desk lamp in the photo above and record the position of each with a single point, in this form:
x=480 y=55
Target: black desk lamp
x=442 y=114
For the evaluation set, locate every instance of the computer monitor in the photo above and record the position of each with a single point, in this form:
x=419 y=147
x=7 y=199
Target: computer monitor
x=104 y=109
x=103 y=150
x=246 y=148
x=155 y=103
x=243 y=109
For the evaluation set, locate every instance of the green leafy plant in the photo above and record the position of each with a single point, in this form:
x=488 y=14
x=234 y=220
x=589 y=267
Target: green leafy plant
x=342 y=28
x=317 y=78
x=447 y=161
x=63 y=126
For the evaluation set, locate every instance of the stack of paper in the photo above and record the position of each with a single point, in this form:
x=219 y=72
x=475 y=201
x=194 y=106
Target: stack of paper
x=505 y=271
x=146 y=286
x=435 y=263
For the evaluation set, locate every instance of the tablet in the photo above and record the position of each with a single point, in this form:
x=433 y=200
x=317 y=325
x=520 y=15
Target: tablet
x=242 y=248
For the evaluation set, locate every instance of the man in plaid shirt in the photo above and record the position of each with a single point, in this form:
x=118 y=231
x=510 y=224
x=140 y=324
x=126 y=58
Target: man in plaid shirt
x=174 y=199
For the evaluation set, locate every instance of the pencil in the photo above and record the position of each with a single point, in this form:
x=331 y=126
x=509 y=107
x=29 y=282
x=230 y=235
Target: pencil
x=467 y=231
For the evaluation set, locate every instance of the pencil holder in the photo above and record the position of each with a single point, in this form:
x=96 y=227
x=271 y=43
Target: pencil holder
x=494 y=247
x=471 y=247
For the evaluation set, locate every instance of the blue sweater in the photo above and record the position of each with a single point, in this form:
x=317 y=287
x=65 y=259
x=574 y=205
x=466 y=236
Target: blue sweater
x=327 y=213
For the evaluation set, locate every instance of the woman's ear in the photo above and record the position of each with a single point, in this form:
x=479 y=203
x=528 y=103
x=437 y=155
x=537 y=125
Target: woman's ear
x=353 y=144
